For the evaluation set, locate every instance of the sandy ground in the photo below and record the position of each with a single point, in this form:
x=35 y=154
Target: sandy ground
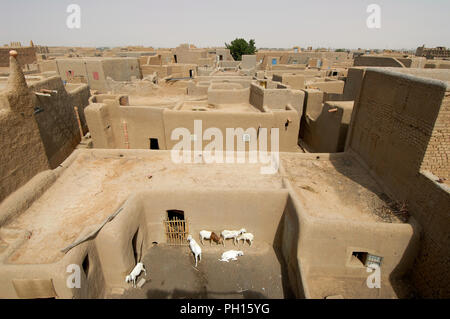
x=339 y=188
x=171 y=274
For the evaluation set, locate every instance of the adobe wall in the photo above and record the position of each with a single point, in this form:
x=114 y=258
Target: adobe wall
x=327 y=85
x=57 y=122
x=23 y=153
x=437 y=64
x=122 y=69
x=373 y=61
x=437 y=155
x=105 y=120
x=225 y=53
x=27 y=55
x=295 y=81
x=35 y=141
x=228 y=95
x=355 y=77
x=48 y=66
x=288 y=137
x=276 y=98
x=161 y=71
x=324 y=248
x=397 y=131
x=119 y=69
x=327 y=132
x=180 y=70
x=189 y=56
x=248 y=61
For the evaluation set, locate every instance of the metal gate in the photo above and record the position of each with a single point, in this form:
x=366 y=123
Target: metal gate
x=176 y=231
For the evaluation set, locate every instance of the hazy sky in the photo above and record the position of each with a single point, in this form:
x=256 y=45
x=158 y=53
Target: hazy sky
x=274 y=23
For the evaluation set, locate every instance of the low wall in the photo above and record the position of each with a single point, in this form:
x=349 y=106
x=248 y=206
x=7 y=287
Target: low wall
x=377 y=61
x=327 y=132
x=227 y=96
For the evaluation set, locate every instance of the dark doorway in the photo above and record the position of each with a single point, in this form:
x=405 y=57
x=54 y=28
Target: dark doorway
x=175 y=58
x=134 y=244
x=154 y=145
x=175 y=214
x=85 y=265
x=191 y=73
x=220 y=57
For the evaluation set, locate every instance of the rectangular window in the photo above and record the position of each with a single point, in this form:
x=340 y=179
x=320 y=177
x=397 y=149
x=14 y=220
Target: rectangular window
x=154 y=145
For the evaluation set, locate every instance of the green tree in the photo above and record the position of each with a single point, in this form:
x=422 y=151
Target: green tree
x=238 y=47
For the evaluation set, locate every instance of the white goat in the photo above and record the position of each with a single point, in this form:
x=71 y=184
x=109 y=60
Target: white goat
x=135 y=273
x=195 y=249
x=211 y=236
x=226 y=234
x=246 y=237
x=231 y=254
x=205 y=234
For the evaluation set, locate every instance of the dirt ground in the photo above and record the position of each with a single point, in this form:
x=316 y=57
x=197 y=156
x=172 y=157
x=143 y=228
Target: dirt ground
x=171 y=274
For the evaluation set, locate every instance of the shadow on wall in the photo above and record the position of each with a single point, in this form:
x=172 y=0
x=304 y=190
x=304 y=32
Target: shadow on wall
x=289 y=216
x=56 y=118
x=326 y=133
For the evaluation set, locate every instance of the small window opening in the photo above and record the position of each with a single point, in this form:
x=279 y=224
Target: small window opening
x=175 y=58
x=286 y=125
x=191 y=73
x=220 y=57
x=366 y=259
x=361 y=256
x=154 y=144
x=86 y=265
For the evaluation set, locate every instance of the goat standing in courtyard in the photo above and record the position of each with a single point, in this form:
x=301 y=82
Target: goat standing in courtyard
x=212 y=236
x=135 y=273
x=246 y=237
x=226 y=234
x=195 y=248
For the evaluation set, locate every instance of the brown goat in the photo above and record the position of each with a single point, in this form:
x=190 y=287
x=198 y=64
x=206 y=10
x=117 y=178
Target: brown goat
x=216 y=238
